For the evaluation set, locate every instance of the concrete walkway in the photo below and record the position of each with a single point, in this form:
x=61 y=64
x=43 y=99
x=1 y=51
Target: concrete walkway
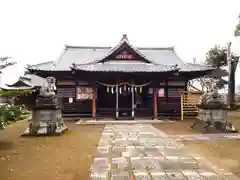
x=141 y=152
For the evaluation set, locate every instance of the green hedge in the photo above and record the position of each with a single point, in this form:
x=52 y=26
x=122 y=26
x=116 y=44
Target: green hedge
x=9 y=113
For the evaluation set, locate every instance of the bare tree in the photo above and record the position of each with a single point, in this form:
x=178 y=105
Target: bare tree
x=4 y=63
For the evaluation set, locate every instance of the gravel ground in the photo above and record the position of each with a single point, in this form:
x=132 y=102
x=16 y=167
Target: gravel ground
x=66 y=157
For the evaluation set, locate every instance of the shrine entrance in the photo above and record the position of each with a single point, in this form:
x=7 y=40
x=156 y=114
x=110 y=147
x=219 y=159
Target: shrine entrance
x=124 y=100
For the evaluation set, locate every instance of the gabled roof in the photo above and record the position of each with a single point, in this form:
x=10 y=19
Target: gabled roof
x=124 y=43
x=29 y=80
x=124 y=66
x=45 y=66
x=188 y=67
x=17 y=88
x=82 y=56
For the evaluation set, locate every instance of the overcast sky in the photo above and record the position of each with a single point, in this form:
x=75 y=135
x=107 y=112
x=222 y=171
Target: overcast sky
x=34 y=31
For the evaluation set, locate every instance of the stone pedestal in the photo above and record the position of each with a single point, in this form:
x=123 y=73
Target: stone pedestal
x=46 y=118
x=214 y=113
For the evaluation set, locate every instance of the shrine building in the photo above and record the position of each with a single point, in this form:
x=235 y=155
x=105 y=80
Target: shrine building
x=120 y=82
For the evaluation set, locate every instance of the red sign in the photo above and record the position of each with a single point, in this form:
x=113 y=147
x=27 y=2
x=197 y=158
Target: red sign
x=125 y=56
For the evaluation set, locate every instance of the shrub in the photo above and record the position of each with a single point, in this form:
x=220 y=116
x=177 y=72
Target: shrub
x=10 y=113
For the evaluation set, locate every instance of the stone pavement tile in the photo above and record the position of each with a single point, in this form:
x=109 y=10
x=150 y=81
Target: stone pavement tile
x=230 y=176
x=135 y=142
x=118 y=149
x=172 y=152
x=103 y=149
x=166 y=164
x=115 y=154
x=158 y=175
x=188 y=162
x=174 y=146
x=137 y=163
x=121 y=142
x=141 y=175
x=102 y=152
x=175 y=175
x=120 y=175
x=150 y=164
x=210 y=176
x=102 y=155
x=160 y=147
x=146 y=150
x=152 y=152
x=120 y=163
x=100 y=164
x=103 y=142
x=135 y=152
x=147 y=136
x=108 y=134
x=191 y=175
x=99 y=175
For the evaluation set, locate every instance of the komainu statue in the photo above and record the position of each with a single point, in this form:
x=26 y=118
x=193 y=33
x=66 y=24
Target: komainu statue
x=213 y=111
x=46 y=114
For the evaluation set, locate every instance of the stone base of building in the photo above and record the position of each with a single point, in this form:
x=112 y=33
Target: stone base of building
x=43 y=131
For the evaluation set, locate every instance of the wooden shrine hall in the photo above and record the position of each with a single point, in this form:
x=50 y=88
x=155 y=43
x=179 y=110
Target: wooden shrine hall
x=122 y=82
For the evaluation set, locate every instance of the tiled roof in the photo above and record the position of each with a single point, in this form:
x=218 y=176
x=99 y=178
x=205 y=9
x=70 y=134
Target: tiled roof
x=89 y=54
x=123 y=42
x=29 y=80
x=17 y=88
x=125 y=66
x=34 y=80
x=46 y=66
x=188 y=67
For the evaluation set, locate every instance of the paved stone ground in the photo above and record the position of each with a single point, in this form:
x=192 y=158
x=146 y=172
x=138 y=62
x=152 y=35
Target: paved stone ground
x=194 y=137
x=142 y=152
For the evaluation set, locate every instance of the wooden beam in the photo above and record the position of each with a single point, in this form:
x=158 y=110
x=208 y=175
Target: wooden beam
x=94 y=103
x=133 y=103
x=117 y=94
x=155 y=111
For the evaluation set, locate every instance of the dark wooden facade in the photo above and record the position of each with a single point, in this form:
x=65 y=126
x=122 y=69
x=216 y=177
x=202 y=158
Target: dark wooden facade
x=159 y=98
x=125 y=82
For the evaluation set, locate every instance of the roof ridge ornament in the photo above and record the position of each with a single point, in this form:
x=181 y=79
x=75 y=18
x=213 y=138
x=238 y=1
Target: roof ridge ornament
x=124 y=37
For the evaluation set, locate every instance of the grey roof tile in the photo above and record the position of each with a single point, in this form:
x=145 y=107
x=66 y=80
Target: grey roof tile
x=125 y=67
x=29 y=80
x=17 y=88
x=123 y=41
x=42 y=66
x=195 y=67
x=89 y=54
x=34 y=80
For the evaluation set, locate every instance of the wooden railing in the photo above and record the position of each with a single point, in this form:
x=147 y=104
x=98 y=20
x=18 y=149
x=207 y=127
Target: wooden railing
x=189 y=101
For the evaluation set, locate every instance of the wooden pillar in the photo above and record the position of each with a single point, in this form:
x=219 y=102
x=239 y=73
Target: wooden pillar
x=133 y=104
x=94 y=102
x=117 y=111
x=166 y=90
x=155 y=111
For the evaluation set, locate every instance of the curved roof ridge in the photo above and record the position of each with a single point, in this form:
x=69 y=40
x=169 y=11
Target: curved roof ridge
x=109 y=47
x=180 y=59
x=40 y=63
x=88 y=47
x=59 y=57
x=156 y=48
